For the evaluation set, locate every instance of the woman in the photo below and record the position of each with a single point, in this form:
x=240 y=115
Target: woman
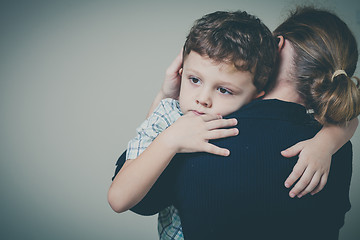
x=239 y=197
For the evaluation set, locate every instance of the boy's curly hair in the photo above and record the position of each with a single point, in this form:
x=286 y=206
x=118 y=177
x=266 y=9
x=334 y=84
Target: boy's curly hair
x=236 y=38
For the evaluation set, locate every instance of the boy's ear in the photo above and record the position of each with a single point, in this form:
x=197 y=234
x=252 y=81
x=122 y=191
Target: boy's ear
x=281 y=41
x=180 y=71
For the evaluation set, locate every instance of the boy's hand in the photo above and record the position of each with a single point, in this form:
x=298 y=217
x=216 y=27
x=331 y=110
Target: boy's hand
x=171 y=85
x=191 y=133
x=313 y=167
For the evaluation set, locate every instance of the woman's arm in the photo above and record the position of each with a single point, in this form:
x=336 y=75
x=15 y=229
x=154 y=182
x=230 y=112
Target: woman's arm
x=315 y=158
x=190 y=133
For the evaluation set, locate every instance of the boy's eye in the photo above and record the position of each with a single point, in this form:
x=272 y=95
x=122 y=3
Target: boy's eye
x=224 y=91
x=194 y=80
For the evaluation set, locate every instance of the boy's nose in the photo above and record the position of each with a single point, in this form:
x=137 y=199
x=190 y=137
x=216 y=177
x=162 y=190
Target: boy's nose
x=204 y=101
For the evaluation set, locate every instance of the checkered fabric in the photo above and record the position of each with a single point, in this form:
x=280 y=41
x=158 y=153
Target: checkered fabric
x=166 y=113
x=169 y=224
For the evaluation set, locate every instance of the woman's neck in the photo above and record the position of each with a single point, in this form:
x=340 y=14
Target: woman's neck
x=285 y=88
x=285 y=91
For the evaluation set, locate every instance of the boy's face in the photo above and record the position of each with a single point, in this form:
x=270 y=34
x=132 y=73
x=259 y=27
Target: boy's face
x=211 y=88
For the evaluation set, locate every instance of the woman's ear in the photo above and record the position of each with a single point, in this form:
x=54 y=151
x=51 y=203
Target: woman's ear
x=180 y=71
x=281 y=41
x=260 y=94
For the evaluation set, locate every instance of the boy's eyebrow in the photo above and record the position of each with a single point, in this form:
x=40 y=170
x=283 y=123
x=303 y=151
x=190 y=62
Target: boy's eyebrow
x=193 y=70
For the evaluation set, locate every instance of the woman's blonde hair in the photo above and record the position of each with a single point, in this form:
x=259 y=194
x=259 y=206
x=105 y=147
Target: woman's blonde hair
x=325 y=60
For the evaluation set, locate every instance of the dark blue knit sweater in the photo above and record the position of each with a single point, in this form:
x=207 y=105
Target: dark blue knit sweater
x=242 y=196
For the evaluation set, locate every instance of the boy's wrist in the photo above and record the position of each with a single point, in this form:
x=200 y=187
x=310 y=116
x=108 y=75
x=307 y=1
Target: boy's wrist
x=167 y=141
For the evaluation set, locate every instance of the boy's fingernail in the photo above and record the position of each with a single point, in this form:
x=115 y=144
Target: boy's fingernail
x=292 y=195
x=299 y=196
x=286 y=185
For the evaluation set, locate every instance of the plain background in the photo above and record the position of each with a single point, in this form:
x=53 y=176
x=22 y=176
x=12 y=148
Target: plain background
x=76 y=79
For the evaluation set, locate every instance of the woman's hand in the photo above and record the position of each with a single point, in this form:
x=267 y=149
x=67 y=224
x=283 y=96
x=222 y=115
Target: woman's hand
x=171 y=84
x=312 y=168
x=191 y=133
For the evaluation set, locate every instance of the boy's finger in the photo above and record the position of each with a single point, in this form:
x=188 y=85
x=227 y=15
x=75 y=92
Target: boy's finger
x=221 y=123
x=211 y=148
x=210 y=117
x=222 y=133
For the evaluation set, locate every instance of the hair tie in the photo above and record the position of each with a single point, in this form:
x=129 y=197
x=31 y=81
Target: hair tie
x=337 y=73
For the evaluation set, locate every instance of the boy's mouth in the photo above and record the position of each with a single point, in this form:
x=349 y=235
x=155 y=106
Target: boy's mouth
x=198 y=113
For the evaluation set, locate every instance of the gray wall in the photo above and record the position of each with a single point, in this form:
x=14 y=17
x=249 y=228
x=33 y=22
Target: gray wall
x=76 y=79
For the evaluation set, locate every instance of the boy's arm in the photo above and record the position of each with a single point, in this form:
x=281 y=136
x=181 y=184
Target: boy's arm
x=315 y=158
x=138 y=175
x=190 y=133
x=171 y=84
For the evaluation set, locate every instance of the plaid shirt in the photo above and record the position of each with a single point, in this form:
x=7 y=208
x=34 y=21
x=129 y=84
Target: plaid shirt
x=168 y=111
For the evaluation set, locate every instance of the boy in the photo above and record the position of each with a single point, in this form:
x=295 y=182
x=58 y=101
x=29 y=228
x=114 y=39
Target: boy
x=227 y=59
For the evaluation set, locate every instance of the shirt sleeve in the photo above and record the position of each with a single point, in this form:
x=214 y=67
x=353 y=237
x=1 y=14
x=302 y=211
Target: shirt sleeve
x=163 y=116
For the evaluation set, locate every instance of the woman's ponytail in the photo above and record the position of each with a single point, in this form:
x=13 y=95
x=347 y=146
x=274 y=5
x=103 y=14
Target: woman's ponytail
x=325 y=60
x=336 y=100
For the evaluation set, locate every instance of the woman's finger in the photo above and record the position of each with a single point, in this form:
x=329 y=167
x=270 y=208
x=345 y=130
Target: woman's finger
x=293 y=151
x=315 y=181
x=302 y=183
x=321 y=185
x=175 y=66
x=296 y=173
